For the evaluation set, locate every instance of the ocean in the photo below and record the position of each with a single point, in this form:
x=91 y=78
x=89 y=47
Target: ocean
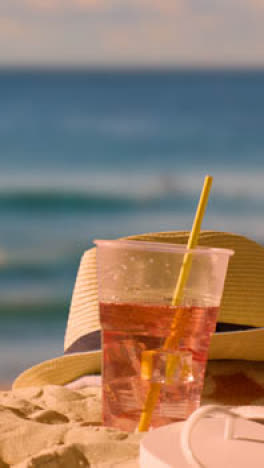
x=88 y=154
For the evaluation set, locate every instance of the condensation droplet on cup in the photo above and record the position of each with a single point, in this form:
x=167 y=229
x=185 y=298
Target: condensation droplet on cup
x=132 y=259
x=151 y=260
x=115 y=277
x=124 y=267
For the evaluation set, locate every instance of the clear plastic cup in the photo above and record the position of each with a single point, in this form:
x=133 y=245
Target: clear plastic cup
x=136 y=282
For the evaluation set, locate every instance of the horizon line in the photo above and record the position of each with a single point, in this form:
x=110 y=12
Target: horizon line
x=131 y=68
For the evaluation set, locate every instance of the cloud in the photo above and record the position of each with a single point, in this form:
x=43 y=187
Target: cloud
x=258 y=4
x=160 y=6
x=42 y=4
x=10 y=28
x=133 y=31
x=91 y=3
x=62 y=5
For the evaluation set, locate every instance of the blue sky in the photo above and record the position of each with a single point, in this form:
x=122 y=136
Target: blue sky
x=132 y=32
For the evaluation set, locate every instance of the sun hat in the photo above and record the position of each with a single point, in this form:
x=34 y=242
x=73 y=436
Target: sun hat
x=241 y=312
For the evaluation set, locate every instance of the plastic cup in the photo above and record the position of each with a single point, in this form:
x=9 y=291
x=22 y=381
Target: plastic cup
x=136 y=282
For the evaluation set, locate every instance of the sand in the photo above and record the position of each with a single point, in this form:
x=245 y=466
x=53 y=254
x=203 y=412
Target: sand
x=55 y=427
x=60 y=427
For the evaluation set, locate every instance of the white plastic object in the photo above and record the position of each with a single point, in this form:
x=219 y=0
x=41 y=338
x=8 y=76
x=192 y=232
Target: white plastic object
x=223 y=440
x=187 y=430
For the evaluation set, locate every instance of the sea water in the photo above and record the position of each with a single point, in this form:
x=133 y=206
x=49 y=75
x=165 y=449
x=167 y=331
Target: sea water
x=88 y=154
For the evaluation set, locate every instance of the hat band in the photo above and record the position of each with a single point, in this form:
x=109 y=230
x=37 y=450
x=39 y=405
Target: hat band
x=92 y=341
x=230 y=327
x=89 y=342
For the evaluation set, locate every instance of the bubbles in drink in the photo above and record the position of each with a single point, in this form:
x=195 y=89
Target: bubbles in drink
x=130 y=332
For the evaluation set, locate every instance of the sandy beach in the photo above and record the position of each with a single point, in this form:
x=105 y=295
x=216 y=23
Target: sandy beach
x=58 y=427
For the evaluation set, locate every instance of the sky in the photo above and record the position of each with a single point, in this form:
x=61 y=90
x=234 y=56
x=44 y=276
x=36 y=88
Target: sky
x=132 y=33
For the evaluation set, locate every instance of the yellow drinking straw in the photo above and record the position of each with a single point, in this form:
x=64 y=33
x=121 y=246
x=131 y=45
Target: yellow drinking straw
x=178 y=323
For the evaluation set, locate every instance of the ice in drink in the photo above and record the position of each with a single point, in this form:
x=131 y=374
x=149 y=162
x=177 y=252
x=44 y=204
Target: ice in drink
x=136 y=283
x=129 y=331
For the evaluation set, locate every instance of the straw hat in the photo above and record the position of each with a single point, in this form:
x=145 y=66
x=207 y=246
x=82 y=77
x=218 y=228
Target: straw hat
x=242 y=307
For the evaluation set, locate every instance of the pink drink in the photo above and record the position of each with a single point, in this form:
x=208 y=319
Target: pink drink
x=136 y=282
x=128 y=330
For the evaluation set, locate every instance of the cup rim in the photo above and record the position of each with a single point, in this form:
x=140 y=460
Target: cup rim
x=161 y=247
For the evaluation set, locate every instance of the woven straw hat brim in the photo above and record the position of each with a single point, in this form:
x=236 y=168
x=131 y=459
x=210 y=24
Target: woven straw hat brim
x=242 y=304
x=243 y=298
x=246 y=345
x=60 y=370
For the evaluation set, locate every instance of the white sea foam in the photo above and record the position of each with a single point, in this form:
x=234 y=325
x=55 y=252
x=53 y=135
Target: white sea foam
x=234 y=184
